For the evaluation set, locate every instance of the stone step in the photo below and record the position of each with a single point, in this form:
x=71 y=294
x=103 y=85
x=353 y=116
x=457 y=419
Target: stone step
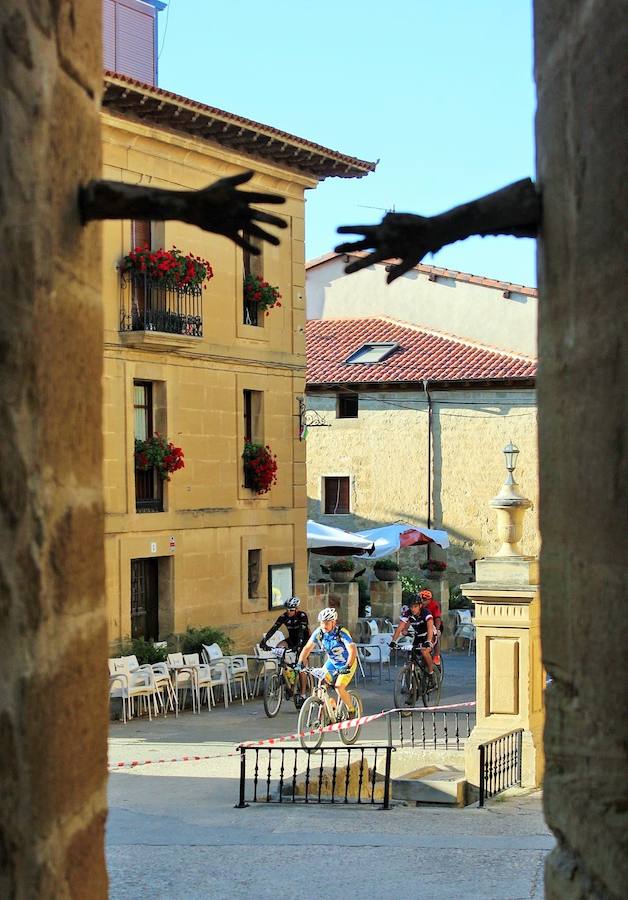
x=444 y=785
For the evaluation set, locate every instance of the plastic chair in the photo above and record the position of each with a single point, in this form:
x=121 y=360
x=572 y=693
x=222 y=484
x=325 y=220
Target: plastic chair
x=138 y=683
x=465 y=629
x=184 y=680
x=206 y=679
x=266 y=663
x=236 y=669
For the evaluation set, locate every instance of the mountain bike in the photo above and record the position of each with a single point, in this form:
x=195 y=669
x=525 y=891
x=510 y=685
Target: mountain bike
x=282 y=683
x=413 y=681
x=318 y=711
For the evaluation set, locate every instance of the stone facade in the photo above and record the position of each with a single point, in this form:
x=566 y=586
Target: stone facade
x=385 y=453
x=582 y=158
x=210 y=520
x=53 y=713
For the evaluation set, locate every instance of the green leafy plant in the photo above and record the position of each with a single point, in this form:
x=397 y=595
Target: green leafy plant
x=343 y=564
x=145 y=651
x=457 y=600
x=159 y=452
x=261 y=293
x=410 y=584
x=388 y=564
x=192 y=640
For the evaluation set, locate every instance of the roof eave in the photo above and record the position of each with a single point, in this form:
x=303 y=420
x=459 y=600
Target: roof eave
x=125 y=96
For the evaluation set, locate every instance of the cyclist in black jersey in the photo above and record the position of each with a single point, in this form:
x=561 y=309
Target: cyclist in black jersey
x=422 y=622
x=296 y=623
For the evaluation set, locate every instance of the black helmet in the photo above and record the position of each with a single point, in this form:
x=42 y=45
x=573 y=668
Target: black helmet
x=413 y=599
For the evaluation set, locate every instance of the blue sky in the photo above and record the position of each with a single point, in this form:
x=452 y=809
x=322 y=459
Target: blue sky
x=440 y=91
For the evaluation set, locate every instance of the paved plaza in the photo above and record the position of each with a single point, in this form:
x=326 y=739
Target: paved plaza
x=173 y=831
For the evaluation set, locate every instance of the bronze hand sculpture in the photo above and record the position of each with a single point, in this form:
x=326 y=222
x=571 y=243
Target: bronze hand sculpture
x=514 y=210
x=218 y=208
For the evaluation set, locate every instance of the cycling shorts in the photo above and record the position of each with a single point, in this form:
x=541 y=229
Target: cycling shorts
x=331 y=674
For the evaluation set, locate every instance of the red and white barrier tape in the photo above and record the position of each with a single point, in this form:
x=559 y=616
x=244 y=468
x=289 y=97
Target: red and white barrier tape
x=348 y=723
x=337 y=726
x=115 y=767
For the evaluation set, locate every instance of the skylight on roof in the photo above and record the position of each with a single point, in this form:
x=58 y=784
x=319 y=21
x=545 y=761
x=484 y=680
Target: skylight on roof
x=372 y=353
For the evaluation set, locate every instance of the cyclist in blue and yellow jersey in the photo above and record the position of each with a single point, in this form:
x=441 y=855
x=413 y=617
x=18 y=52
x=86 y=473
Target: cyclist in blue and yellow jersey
x=342 y=654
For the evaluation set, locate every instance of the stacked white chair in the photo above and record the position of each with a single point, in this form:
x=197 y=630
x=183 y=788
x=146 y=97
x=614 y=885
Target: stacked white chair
x=236 y=669
x=130 y=684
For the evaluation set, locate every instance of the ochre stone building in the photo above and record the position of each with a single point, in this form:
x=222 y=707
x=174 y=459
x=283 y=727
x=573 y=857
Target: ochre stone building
x=206 y=371
x=417 y=403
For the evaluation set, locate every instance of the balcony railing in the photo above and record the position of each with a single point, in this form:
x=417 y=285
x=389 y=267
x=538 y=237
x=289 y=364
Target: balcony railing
x=149 y=492
x=147 y=305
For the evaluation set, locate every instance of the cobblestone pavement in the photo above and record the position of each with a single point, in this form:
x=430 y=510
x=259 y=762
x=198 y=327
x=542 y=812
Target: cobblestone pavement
x=173 y=831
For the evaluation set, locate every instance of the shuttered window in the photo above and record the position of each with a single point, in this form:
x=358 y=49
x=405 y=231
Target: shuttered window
x=109 y=34
x=129 y=38
x=336 y=491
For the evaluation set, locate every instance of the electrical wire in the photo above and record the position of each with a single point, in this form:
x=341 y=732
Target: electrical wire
x=163 y=40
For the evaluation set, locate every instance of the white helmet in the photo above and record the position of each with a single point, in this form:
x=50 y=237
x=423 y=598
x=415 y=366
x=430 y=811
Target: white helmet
x=329 y=614
x=292 y=602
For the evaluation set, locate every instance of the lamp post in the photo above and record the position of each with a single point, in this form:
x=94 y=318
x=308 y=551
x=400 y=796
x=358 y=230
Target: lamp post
x=511 y=506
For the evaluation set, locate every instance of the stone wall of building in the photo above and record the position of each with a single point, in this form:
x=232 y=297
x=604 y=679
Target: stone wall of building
x=210 y=520
x=582 y=158
x=53 y=715
x=385 y=452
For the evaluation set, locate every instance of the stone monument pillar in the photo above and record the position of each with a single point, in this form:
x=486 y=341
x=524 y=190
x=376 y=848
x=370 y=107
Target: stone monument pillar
x=510 y=676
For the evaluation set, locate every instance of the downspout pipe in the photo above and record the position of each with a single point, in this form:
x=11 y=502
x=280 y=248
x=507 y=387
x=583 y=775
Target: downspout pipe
x=429 y=456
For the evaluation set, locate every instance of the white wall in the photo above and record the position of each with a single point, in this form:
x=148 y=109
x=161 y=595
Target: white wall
x=470 y=311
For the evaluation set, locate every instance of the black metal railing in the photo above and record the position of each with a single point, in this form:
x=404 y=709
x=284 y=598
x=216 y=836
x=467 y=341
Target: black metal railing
x=500 y=764
x=147 y=305
x=149 y=491
x=335 y=775
x=422 y=728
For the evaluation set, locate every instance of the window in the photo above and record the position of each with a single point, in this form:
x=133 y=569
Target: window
x=141 y=233
x=336 y=495
x=129 y=38
x=253 y=423
x=280 y=585
x=254 y=572
x=347 y=406
x=372 y=353
x=148 y=484
x=253 y=265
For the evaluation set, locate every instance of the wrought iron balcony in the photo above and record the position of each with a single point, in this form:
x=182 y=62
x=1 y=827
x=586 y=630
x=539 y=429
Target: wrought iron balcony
x=148 y=305
x=149 y=492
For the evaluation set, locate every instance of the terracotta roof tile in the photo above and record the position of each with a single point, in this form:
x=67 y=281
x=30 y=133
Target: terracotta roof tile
x=421 y=355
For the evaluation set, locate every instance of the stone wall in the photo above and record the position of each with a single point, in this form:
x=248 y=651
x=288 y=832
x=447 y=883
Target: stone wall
x=582 y=160
x=384 y=452
x=210 y=520
x=453 y=305
x=53 y=715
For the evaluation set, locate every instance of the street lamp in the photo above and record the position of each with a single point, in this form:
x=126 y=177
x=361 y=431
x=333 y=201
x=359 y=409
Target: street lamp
x=511 y=452
x=511 y=507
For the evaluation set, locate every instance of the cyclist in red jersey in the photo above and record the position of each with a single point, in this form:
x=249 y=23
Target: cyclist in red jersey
x=428 y=602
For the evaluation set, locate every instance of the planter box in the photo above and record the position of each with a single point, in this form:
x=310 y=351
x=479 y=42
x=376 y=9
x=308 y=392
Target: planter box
x=386 y=574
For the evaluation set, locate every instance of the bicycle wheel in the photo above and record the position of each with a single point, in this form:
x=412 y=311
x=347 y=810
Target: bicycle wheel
x=430 y=695
x=311 y=718
x=273 y=695
x=350 y=735
x=405 y=689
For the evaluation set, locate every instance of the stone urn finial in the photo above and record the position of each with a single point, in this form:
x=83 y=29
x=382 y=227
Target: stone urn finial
x=511 y=507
